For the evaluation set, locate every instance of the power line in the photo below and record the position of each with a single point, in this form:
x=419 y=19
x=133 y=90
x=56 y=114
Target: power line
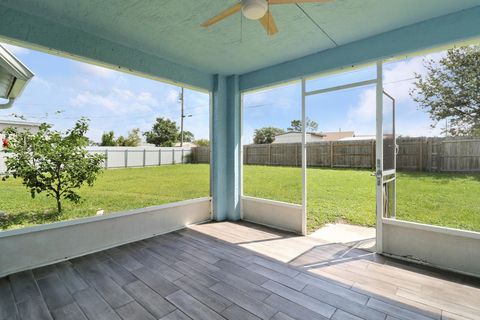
x=401 y=80
x=67 y=117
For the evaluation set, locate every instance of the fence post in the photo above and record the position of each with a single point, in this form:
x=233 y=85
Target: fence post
x=183 y=155
x=173 y=156
x=420 y=156
x=159 y=156
x=270 y=154
x=106 y=158
x=126 y=158
x=296 y=154
x=144 y=157
x=372 y=151
x=331 y=154
x=441 y=157
x=429 y=156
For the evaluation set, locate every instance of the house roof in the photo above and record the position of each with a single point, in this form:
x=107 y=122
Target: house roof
x=14 y=75
x=18 y=123
x=327 y=136
x=317 y=134
x=358 y=138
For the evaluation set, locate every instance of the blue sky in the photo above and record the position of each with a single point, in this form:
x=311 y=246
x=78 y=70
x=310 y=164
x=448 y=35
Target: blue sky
x=120 y=102
x=346 y=110
x=112 y=100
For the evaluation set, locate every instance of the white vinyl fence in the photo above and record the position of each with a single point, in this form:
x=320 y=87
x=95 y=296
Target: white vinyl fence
x=128 y=157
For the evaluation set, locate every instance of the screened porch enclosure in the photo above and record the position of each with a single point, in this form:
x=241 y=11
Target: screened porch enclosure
x=197 y=259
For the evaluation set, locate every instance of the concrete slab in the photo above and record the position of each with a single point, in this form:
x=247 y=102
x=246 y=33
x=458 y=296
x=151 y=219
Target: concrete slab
x=357 y=236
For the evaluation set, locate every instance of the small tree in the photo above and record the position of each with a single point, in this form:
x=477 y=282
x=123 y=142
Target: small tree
x=120 y=141
x=202 y=142
x=296 y=125
x=450 y=90
x=108 y=139
x=133 y=139
x=187 y=136
x=53 y=162
x=164 y=133
x=266 y=135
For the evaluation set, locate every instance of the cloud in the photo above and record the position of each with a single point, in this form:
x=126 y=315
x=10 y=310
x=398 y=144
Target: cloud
x=273 y=100
x=42 y=82
x=16 y=50
x=172 y=96
x=366 y=108
x=98 y=71
x=118 y=101
x=398 y=82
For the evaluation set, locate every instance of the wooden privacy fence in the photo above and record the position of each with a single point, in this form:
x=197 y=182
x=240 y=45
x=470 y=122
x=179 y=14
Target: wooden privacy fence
x=416 y=154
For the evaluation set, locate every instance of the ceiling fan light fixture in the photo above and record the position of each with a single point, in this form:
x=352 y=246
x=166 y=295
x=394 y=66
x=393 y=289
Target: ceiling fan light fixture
x=254 y=9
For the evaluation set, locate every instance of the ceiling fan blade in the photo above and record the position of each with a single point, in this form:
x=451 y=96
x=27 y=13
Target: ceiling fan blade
x=297 y=1
x=222 y=15
x=268 y=23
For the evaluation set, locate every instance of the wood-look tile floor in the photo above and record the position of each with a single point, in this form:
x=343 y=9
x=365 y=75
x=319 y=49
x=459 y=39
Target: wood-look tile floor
x=236 y=271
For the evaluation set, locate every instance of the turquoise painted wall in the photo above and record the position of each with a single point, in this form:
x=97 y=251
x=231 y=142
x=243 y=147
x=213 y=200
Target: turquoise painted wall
x=219 y=148
x=226 y=148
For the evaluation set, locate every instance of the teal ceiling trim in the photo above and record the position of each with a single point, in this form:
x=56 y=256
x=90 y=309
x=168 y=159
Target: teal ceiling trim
x=458 y=26
x=47 y=34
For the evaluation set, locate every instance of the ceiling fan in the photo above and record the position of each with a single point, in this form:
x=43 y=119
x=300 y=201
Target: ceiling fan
x=256 y=10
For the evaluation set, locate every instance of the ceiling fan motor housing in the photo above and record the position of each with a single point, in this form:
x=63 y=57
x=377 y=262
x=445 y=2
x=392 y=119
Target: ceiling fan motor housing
x=254 y=9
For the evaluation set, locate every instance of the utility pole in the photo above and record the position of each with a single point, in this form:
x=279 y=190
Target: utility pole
x=181 y=118
x=182 y=115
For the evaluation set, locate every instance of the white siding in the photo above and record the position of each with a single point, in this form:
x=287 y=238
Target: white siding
x=295 y=137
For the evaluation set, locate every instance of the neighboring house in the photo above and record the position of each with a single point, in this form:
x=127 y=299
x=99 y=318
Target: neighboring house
x=186 y=145
x=359 y=138
x=338 y=135
x=296 y=137
x=20 y=125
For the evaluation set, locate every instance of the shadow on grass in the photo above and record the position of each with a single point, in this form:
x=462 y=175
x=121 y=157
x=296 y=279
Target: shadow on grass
x=441 y=176
x=24 y=219
x=438 y=176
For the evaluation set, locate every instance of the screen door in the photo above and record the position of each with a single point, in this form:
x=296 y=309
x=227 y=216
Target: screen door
x=389 y=176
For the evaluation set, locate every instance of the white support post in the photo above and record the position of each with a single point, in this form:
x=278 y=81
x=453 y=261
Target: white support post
x=242 y=162
x=379 y=158
x=304 y=162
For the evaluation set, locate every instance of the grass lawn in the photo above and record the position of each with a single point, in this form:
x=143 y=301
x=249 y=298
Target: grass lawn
x=444 y=199
x=333 y=194
x=115 y=190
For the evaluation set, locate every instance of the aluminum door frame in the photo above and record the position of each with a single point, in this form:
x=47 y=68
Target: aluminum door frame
x=379 y=146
